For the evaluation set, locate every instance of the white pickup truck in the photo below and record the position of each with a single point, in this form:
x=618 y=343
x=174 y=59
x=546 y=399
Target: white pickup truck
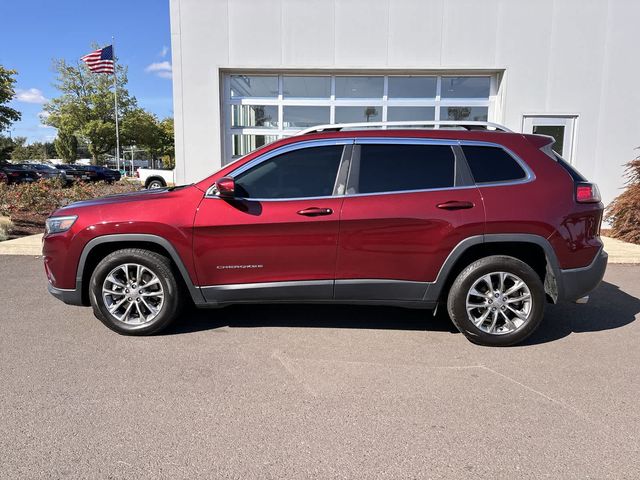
x=156 y=178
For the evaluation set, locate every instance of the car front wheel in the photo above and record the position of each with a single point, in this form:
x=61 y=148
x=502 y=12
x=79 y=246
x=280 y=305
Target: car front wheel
x=497 y=301
x=134 y=292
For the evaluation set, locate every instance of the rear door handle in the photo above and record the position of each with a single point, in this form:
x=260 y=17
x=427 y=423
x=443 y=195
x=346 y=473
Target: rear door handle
x=315 y=212
x=455 y=205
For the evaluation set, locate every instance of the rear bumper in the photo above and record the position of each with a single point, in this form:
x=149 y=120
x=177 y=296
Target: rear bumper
x=70 y=297
x=578 y=282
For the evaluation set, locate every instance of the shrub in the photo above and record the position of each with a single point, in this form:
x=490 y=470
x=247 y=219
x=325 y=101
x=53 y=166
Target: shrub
x=45 y=196
x=624 y=212
x=5 y=226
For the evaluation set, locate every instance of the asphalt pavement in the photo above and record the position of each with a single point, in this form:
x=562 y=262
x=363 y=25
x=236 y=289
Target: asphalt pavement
x=316 y=392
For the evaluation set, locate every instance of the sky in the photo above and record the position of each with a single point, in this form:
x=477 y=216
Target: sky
x=34 y=32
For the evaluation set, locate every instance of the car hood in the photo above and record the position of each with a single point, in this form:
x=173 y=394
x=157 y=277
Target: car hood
x=141 y=196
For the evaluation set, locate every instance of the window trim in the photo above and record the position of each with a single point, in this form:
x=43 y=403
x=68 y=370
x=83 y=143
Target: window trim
x=459 y=180
x=529 y=175
x=290 y=148
x=463 y=173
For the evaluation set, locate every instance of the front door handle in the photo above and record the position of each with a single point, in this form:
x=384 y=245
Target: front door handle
x=315 y=212
x=455 y=205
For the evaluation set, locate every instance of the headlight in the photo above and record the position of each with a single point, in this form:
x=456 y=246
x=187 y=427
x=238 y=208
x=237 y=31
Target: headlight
x=59 y=224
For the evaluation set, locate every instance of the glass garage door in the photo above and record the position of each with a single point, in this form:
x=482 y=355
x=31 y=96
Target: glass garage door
x=259 y=109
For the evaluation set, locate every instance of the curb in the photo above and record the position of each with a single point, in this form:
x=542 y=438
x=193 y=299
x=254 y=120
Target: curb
x=31 y=245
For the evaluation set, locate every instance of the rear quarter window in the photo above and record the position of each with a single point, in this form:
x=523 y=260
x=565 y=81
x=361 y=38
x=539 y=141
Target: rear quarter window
x=492 y=164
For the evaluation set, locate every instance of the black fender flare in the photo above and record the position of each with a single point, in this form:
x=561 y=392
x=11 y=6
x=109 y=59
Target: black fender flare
x=434 y=289
x=194 y=290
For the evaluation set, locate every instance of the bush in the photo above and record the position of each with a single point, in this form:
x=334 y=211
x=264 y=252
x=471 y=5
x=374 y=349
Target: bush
x=5 y=226
x=624 y=212
x=43 y=197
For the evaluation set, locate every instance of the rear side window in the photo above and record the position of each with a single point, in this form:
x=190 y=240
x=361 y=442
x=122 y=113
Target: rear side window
x=395 y=168
x=308 y=172
x=492 y=164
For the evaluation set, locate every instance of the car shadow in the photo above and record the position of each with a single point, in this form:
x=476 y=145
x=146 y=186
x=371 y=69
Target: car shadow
x=608 y=308
x=311 y=316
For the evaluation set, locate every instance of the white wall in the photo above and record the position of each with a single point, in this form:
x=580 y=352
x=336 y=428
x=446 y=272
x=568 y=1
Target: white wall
x=559 y=57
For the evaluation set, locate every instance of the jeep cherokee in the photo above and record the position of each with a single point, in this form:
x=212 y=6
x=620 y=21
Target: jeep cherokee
x=487 y=223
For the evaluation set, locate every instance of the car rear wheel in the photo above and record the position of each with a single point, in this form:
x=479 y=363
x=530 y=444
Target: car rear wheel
x=497 y=301
x=155 y=184
x=134 y=292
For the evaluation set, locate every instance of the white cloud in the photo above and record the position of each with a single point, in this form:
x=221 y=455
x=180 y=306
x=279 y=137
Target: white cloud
x=30 y=95
x=161 y=69
x=164 y=51
x=42 y=116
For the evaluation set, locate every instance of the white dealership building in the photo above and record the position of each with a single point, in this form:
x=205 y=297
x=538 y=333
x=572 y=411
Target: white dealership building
x=246 y=72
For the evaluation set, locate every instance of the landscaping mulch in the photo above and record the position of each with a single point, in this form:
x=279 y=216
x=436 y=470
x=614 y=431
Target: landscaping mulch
x=25 y=223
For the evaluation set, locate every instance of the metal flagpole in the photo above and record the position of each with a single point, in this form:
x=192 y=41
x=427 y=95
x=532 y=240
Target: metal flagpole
x=115 y=97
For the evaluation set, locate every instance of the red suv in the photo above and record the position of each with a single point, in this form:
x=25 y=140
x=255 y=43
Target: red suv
x=490 y=223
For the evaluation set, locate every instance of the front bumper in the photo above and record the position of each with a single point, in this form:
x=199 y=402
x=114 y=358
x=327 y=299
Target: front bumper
x=70 y=297
x=578 y=282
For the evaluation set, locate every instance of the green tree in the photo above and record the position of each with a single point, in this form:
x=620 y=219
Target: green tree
x=21 y=150
x=66 y=146
x=85 y=106
x=142 y=129
x=8 y=115
x=34 y=151
x=168 y=149
x=6 y=147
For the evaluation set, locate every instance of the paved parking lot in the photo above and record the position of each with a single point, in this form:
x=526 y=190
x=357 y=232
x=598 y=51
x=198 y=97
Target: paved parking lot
x=316 y=392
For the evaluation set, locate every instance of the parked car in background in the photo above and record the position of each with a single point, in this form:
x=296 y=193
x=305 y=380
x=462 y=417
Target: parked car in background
x=487 y=224
x=18 y=173
x=3 y=177
x=156 y=178
x=98 y=173
x=71 y=171
x=46 y=172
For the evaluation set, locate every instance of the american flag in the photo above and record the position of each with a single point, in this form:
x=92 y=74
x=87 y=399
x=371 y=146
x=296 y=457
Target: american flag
x=100 y=61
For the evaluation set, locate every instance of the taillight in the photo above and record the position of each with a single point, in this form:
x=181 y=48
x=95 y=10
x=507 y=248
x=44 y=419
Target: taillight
x=587 y=193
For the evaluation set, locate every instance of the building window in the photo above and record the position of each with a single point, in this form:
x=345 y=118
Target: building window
x=259 y=109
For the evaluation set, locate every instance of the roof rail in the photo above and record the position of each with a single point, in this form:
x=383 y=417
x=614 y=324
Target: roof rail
x=427 y=123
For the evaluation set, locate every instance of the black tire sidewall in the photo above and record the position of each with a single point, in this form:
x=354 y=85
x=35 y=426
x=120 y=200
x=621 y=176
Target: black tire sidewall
x=457 y=299
x=158 y=265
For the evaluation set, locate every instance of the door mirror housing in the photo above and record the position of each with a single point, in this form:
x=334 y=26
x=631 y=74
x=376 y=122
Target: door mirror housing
x=225 y=187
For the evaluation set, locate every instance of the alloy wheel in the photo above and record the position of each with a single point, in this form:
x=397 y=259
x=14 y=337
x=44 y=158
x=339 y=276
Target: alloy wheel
x=133 y=294
x=499 y=303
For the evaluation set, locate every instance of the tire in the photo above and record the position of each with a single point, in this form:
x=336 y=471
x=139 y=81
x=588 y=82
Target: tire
x=152 y=309
x=517 y=315
x=155 y=184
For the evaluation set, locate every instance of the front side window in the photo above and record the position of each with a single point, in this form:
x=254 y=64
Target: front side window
x=492 y=164
x=307 y=172
x=395 y=168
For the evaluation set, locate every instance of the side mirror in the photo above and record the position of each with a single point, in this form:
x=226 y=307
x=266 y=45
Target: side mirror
x=226 y=187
